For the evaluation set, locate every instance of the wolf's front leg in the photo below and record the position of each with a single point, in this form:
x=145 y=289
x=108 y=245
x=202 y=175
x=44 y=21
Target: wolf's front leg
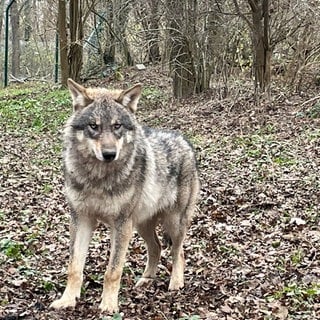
x=120 y=238
x=81 y=229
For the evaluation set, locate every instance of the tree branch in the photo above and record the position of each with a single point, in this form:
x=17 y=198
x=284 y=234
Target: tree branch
x=241 y=15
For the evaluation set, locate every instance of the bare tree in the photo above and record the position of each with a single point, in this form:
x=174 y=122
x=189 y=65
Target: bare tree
x=109 y=50
x=296 y=41
x=121 y=10
x=63 y=41
x=15 y=39
x=1 y=16
x=148 y=13
x=71 y=43
x=193 y=32
x=75 y=53
x=180 y=56
x=259 y=25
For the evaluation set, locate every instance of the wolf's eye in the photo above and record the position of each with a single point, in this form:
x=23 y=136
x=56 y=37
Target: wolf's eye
x=93 y=126
x=117 y=126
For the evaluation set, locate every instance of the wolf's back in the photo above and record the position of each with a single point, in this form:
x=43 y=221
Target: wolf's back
x=170 y=178
x=171 y=151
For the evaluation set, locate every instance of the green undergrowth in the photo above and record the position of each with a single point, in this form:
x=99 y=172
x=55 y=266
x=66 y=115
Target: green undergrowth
x=298 y=293
x=42 y=108
x=153 y=96
x=36 y=108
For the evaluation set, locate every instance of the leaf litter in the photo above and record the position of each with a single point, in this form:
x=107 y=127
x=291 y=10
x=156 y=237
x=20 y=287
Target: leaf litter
x=252 y=251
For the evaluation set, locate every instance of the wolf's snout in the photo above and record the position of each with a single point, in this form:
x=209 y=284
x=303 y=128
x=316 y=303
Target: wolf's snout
x=109 y=155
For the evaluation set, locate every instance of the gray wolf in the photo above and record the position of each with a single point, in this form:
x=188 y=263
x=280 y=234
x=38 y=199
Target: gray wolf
x=129 y=177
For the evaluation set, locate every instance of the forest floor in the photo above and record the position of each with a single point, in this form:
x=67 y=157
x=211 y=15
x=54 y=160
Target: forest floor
x=252 y=251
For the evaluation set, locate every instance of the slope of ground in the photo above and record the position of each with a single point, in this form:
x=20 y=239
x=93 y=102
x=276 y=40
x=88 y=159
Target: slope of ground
x=252 y=251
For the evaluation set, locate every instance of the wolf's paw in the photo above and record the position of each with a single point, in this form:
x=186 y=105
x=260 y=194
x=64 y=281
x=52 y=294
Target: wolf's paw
x=144 y=282
x=176 y=284
x=63 y=303
x=109 y=306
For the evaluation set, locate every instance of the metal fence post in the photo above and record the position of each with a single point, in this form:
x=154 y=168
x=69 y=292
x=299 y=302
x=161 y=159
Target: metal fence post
x=6 y=44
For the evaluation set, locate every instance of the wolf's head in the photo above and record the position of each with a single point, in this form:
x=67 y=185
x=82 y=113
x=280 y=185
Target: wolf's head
x=103 y=120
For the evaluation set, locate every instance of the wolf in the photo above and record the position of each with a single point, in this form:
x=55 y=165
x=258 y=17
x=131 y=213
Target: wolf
x=129 y=177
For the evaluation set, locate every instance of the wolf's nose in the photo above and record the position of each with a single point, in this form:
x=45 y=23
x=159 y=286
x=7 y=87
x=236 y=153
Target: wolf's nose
x=109 y=155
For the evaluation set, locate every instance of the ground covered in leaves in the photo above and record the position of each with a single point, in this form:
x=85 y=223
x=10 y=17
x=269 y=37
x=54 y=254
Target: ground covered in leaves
x=252 y=251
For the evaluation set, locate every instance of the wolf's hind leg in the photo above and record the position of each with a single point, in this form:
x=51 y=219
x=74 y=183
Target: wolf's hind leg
x=177 y=234
x=148 y=233
x=81 y=229
x=176 y=225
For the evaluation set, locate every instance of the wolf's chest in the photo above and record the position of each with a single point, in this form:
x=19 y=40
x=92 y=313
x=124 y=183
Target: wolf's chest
x=100 y=202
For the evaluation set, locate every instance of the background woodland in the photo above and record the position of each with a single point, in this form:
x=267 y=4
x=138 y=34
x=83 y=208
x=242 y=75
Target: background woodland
x=201 y=44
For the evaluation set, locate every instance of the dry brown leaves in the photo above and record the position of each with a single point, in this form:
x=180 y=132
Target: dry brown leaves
x=251 y=252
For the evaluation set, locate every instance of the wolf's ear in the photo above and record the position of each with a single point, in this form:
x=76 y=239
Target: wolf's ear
x=129 y=98
x=79 y=96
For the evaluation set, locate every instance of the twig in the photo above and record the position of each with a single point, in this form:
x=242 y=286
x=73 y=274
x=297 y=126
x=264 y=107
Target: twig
x=163 y=315
x=15 y=79
x=310 y=100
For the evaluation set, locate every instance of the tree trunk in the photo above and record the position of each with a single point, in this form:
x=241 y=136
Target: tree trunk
x=1 y=16
x=15 y=27
x=109 y=52
x=181 y=63
x=153 y=34
x=149 y=16
x=121 y=9
x=27 y=17
x=261 y=48
x=63 y=41
x=261 y=44
x=75 y=54
x=205 y=35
